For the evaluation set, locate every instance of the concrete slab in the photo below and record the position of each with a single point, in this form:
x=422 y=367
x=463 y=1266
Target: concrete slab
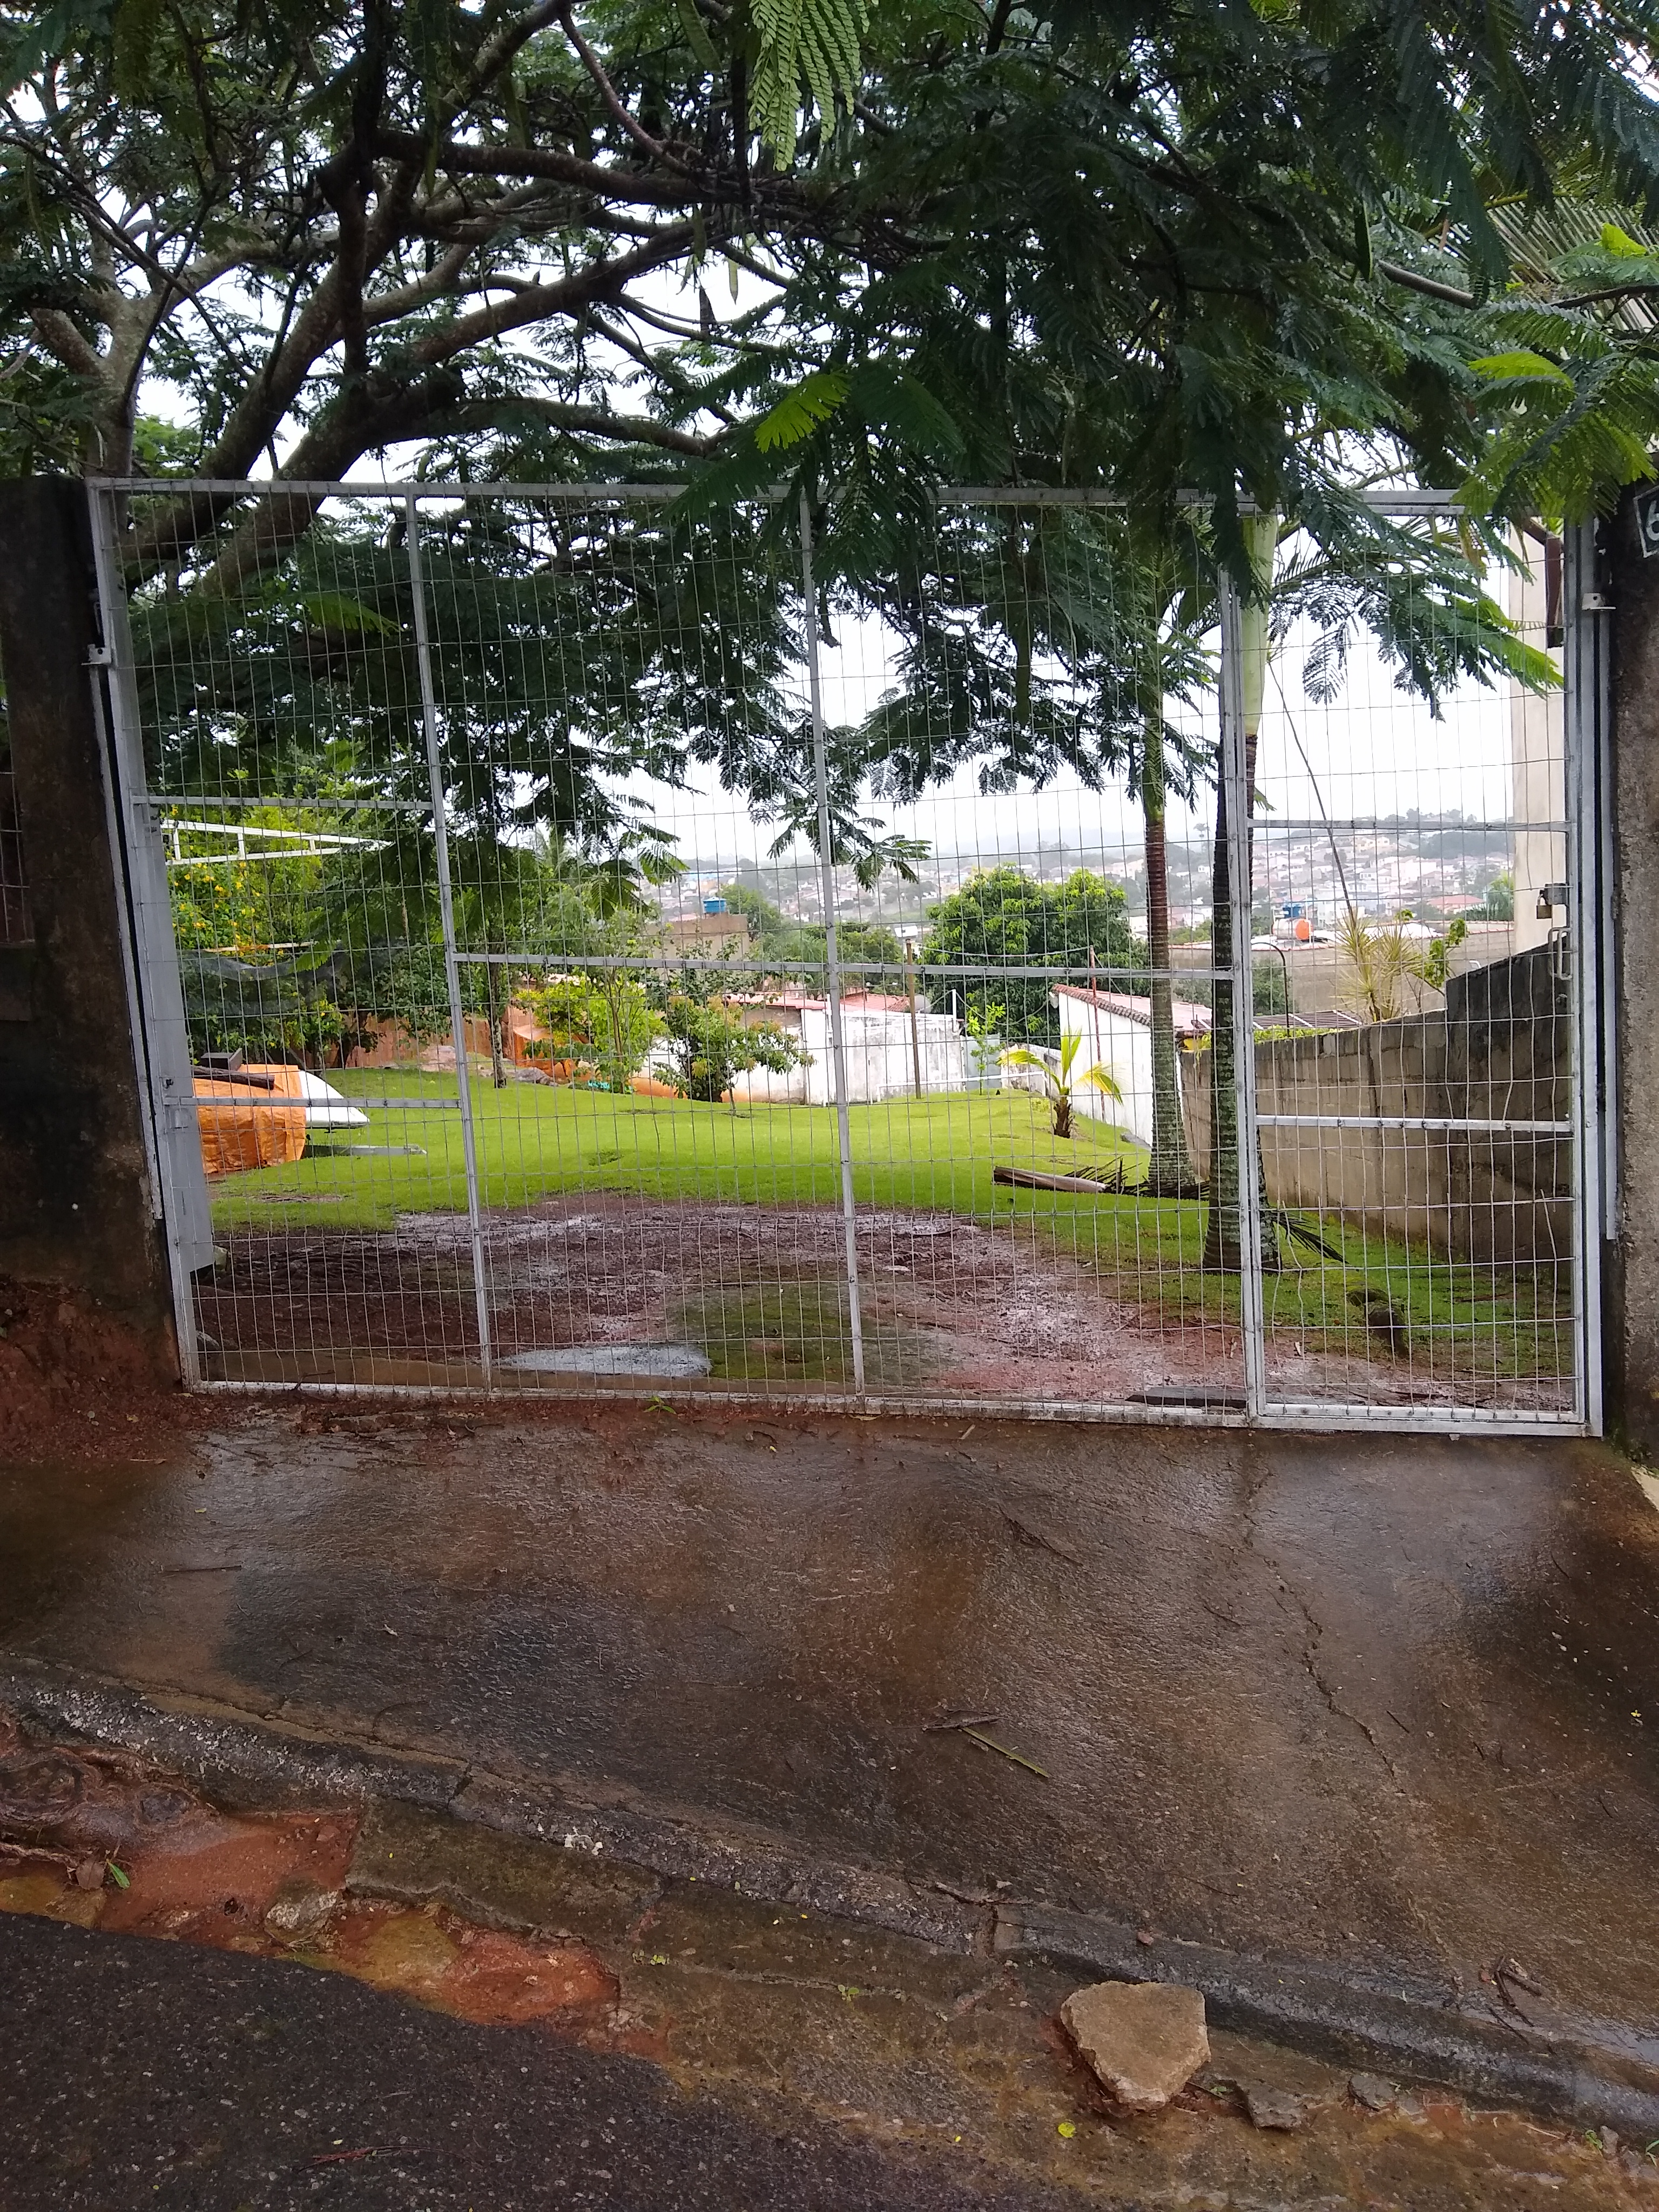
x=1386 y=1704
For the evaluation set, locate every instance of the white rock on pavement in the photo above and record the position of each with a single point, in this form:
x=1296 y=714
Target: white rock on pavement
x=1146 y=2040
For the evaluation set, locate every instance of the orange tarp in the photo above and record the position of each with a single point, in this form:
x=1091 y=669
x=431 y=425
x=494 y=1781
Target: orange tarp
x=243 y=1127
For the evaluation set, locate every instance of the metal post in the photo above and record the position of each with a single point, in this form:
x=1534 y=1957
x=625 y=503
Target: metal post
x=1094 y=1002
x=1584 y=737
x=160 y=1032
x=1252 y=1313
x=447 y=912
x=832 y=957
x=915 y=1030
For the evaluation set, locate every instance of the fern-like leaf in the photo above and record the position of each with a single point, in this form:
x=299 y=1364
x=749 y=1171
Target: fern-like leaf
x=803 y=43
x=800 y=412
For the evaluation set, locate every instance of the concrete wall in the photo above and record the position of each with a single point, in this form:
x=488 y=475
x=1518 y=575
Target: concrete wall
x=1500 y=1051
x=880 y=1060
x=76 y=1207
x=1323 y=985
x=1125 y=1047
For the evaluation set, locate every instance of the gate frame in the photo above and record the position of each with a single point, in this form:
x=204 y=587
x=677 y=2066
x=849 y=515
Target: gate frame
x=161 y=1036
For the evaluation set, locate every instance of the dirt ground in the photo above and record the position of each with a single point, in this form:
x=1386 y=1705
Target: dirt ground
x=76 y=1381
x=952 y=1307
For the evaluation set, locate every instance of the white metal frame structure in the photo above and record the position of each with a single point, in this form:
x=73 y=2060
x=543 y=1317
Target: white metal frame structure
x=141 y=813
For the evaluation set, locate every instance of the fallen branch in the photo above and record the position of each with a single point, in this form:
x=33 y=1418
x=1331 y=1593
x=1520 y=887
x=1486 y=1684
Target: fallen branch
x=1034 y=1179
x=990 y=1743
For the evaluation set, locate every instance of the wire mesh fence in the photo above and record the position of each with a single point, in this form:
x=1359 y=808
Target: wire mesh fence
x=620 y=946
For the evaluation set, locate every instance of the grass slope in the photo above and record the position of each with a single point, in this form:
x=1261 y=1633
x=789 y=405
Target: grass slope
x=537 y=1140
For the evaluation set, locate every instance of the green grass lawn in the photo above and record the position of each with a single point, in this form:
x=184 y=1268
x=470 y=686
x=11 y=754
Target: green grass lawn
x=538 y=1140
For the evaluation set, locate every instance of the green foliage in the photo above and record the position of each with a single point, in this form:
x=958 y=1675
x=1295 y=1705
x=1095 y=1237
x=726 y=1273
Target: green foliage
x=1436 y=968
x=1139 y=242
x=1063 y=1077
x=607 y=1021
x=269 y=1011
x=811 y=43
x=1382 y=959
x=1499 y=905
x=713 y=1043
x=800 y=949
x=813 y=400
x=984 y=1024
x=1004 y=921
x=1268 y=994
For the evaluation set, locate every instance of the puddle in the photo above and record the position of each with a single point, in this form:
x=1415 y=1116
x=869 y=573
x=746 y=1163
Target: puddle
x=477 y=1974
x=799 y=1333
x=673 y=1363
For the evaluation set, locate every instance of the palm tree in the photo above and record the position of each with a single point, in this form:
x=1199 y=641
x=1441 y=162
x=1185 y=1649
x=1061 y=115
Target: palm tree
x=1223 y=1229
x=1166 y=585
x=1062 y=1080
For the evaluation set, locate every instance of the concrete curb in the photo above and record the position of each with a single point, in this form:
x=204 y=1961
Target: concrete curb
x=1580 y=2070
x=1583 y=2071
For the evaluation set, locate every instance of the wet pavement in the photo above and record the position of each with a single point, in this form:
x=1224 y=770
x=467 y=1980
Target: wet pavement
x=191 y=2078
x=1384 y=1703
x=391 y=2008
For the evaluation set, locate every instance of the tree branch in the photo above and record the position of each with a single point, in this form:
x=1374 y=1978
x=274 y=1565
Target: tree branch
x=607 y=92
x=66 y=344
x=327 y=448
x=596 y=422
x=1428 y=286
x=404 y=299
x=664 y=372
x=605 y=184
x=600 y=280
x=493 y=57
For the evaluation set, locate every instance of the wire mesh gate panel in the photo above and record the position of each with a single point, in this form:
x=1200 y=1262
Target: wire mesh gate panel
x=586 y=944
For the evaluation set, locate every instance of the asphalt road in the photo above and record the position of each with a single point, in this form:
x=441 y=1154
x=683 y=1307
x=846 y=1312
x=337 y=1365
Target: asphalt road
x=165 y=2075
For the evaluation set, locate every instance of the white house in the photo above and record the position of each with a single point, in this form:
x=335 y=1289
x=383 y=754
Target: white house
x=1117 y=1033
x=880 y=1054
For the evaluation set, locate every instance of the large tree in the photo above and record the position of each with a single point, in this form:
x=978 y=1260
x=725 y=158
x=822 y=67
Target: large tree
x=321 y=237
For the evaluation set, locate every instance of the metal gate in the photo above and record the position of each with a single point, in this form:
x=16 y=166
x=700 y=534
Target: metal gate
x=953 y=959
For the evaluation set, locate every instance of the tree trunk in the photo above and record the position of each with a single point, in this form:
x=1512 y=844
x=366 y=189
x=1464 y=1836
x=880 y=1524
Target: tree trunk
x=1223 y=1248
x=1223 y=1251
x=1062 y=1105
x=1169 y=1171
x=497 y=1013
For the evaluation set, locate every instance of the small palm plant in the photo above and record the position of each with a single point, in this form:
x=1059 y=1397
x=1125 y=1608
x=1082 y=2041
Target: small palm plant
x=1062 y=1082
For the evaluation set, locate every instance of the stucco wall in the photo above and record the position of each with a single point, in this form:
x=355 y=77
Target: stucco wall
x=1499 y=1051
x=1126 y=1047
x=879 y=1061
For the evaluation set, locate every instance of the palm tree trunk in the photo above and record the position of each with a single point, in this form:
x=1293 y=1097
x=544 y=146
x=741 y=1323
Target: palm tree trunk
x=497 y=1015
x=1223 y=1240
x=1223 y=1251
x=1223 y=1247
x=1169 y=1171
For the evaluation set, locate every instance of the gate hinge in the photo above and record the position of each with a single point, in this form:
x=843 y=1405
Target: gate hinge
x=100 y=656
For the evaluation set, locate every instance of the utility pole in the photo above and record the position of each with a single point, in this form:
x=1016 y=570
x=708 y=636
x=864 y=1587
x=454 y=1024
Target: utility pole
x=915 y=1027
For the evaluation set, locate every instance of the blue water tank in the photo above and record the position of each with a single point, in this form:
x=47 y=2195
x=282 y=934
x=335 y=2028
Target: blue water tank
x=713 y=906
